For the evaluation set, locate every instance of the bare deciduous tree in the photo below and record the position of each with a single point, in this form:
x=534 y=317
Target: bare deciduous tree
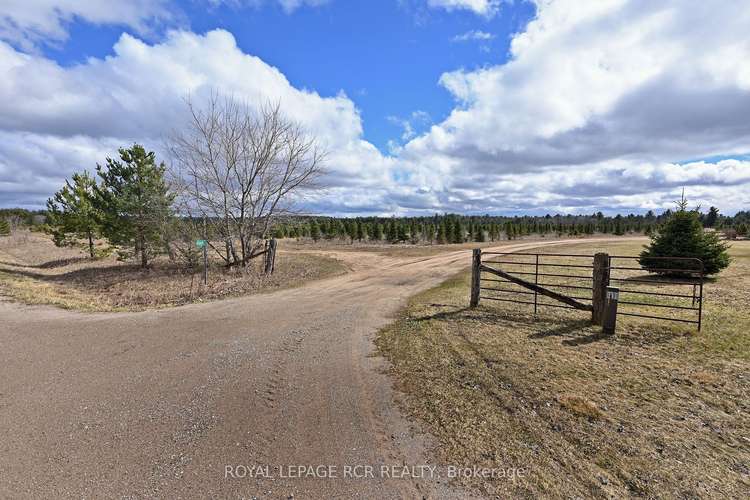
x=238 y=168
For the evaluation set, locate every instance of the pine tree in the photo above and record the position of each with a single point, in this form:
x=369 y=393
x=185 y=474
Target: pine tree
x=712 y=217
x=619 y=230
x=442 y=235
x=413 y=233
x=351 y=231
x=401 y=234
x=378 y=233
x=72 y=213
x=391 y=233
x=135 y=201
x=682 y=235
x=361 y=232
x=510 y=230
x=479 y=234
x=4 y=227
x=457 y=235
x=315 y=231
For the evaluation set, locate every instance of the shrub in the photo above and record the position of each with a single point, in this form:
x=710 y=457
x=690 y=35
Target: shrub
x=4 y=228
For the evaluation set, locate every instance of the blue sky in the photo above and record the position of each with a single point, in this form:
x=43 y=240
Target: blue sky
x=472 y=106
x=387 y=56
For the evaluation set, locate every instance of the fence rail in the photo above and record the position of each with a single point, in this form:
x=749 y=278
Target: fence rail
x=691 y=273
x=565 y=278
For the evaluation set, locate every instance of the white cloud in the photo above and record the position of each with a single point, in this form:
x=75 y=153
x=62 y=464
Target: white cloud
x=26 y=23
x=55 y=120
x=288 y=6
x=601 y=105
x=475 y=35
x=29 y=23
x=292 y=5
x=605 y=88
x=487 y=8
x=415 y=120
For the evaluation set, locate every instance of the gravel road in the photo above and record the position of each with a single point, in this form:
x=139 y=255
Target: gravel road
x=174 y=403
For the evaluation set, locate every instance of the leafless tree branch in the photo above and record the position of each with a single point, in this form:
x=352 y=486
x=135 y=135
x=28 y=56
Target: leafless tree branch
x=238 y=168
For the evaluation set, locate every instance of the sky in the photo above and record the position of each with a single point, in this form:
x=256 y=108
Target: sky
x=467 y=106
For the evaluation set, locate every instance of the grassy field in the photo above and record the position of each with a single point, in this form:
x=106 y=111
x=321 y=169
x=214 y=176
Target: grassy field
x=657 y=410
x=34 y=271
x=407 y=250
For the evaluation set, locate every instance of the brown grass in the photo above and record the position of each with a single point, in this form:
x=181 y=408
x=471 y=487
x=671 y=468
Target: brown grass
x=580 y=406
x=658 y=410
x=34 y=271
x=403 y=249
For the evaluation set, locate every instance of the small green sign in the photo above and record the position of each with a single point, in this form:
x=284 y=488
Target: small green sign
x=201 y=243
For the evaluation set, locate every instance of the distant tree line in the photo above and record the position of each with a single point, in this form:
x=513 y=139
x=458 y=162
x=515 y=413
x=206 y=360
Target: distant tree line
x=454 y=228
x=435 y=229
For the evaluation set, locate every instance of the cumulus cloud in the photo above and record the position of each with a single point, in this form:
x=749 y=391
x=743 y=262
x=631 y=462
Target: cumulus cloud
x=27 y=23
x=606 y=105
x=603 y=88
x=487 y=8
x=69 y=118
x=409 y=125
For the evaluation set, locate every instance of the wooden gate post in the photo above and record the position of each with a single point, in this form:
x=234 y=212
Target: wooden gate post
x=476 y=262
x=271 y=256
x=601 y=282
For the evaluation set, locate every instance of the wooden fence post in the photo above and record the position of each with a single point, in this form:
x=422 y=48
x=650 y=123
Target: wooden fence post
x=476 y=262
x=601 y=282
x=271 y=256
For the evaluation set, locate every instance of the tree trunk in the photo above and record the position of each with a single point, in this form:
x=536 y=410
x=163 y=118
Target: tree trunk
x=91 y=245
x=144 y=256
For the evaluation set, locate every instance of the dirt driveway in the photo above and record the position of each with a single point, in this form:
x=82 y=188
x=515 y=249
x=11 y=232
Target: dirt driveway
x=170 y=403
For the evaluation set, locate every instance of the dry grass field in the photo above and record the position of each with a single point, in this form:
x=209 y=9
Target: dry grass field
x=404 y=250
x=34 y=271
x=657 y=411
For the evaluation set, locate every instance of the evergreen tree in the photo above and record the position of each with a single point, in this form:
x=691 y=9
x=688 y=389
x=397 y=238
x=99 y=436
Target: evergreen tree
x=413 y=233
x=315 y=231
x=72 y=214
x=479 y=233
x=510 y=230
x=619 y=230
x=339 y=229
x=392 y=232
x=361 y=232
x=4 y=227
x=442 y=235
x=457 y=235
x=378 y=233
x=402 y=235
x=682 y=235
x=711 y=217
x=351 y=231
x=135 y=202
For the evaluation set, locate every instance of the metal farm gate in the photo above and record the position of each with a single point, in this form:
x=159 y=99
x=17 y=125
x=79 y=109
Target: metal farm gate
x=591 y=283
x=677 y=299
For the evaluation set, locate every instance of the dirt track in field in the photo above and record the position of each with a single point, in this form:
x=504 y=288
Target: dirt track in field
x=159 y=403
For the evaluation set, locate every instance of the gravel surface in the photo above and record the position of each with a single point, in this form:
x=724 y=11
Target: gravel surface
x=158 y=404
